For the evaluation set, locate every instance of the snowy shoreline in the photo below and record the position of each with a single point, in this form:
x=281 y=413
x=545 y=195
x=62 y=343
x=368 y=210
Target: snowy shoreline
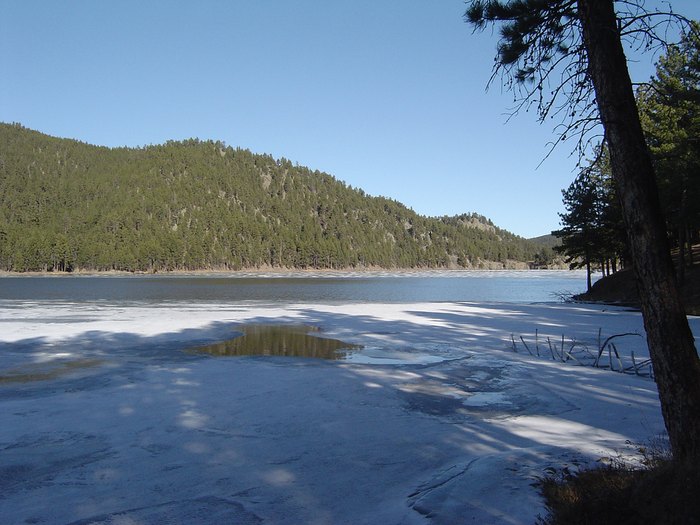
x=436 y=420
x=301 y=272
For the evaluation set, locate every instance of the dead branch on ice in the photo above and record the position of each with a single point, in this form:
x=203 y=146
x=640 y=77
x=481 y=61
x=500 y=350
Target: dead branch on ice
x=580 y=353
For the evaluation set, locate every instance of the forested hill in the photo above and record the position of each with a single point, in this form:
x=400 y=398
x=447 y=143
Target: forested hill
x=67 y=205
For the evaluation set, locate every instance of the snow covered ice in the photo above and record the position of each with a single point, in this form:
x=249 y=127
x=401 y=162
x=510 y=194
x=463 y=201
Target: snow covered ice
x=108 y=419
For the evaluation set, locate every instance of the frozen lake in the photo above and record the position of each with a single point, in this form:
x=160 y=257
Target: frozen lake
x=110 y=417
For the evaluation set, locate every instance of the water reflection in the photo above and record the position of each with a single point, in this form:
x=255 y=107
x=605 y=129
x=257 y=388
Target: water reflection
x=46 y=371
x=281 y=340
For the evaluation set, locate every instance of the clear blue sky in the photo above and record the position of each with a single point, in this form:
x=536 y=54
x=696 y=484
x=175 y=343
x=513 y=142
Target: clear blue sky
x=388 y=96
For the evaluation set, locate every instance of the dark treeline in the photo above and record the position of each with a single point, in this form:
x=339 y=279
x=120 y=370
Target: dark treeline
x=593 y=232
x=192 y=205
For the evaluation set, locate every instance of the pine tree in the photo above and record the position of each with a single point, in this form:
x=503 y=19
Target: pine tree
x=593 y=230
x=581 y=224
x=670 y=114
x=576 y=46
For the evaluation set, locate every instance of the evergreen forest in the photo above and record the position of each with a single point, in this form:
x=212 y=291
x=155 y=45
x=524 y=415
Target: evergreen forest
x=593 y=233
x=201 y=205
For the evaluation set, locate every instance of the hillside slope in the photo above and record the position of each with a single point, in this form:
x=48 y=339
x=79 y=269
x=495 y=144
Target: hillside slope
x=621 y=287
x=67 y=205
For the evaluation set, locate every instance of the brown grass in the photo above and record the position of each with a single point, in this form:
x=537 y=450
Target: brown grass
x=664 y=492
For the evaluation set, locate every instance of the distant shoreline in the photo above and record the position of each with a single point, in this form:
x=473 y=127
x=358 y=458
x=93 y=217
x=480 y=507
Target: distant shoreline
x=282 y=272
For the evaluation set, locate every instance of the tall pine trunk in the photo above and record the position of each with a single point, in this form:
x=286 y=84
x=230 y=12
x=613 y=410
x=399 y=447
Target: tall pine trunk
x=681 y=253
x=671 y=344
x=588 y=273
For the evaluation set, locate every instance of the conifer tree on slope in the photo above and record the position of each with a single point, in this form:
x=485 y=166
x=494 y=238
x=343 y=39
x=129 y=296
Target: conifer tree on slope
x=566 y=58
x=592 y=227
x=669 y=107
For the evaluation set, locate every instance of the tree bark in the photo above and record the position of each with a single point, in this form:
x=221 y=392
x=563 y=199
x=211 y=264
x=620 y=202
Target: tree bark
x=588 y=273
x=671 y=345
x=690 y=235
x=681 y=253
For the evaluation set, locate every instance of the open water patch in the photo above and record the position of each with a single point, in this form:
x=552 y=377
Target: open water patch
x=281 y=341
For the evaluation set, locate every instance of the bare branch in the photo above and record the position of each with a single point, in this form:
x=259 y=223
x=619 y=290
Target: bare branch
x=541 y=59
